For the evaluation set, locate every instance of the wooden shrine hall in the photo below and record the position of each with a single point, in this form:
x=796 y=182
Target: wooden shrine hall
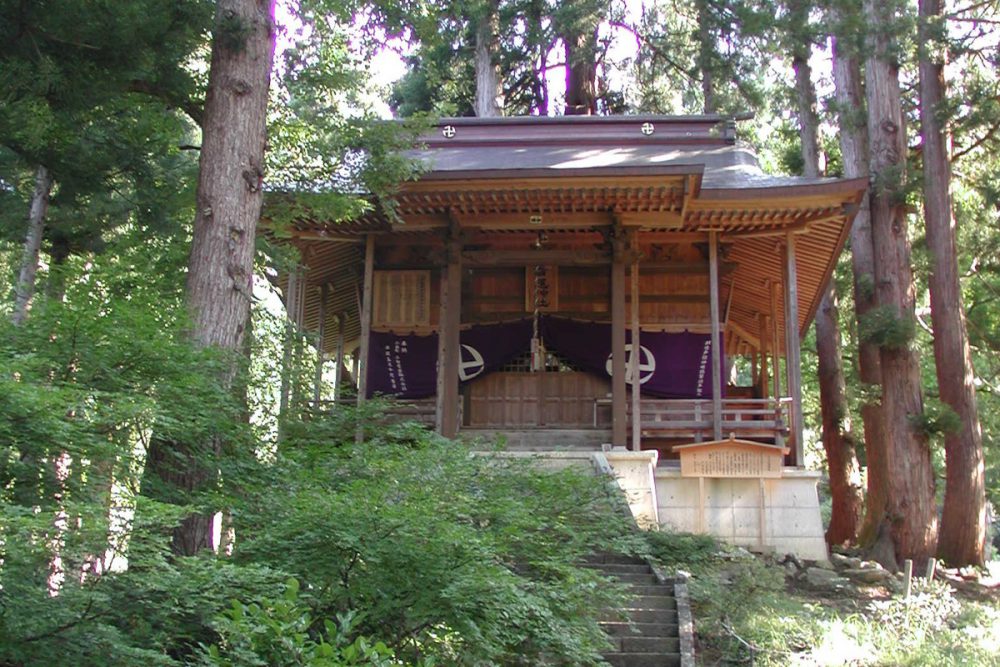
x=521 y=269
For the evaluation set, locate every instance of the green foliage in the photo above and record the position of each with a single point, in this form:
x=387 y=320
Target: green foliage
x=280 y=632
x=937 y=419
x=745 y=611
x=681 y=550
x=466 y=557
x=885 y=327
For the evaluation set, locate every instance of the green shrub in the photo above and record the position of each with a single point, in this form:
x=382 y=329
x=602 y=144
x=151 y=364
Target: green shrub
x=282 y=632
x=469 y=558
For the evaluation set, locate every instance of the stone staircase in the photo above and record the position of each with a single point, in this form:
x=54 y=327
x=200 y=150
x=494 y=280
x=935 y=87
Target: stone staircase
x=650 y=637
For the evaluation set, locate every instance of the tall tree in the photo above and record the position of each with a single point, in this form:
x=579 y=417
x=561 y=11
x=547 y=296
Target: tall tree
x=837 y=439
x=849 y=102
x=229 y=199
x=911 y=516
x=706 y=57
x=489 y=91
x=963 y=522
x=25 y=287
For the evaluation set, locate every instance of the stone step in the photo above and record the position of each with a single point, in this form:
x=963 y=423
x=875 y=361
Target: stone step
x=619 y=628
x=636 y=579
x=644 y=602
x=652 y=589
x=643 y=659
x=640 y=616
x=612 y=559
x=636 y=644
x=612 y=569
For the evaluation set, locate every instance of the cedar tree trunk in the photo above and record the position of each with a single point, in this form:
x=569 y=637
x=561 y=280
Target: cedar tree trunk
x=25 y=287
x=837 y=440
x=962 y=539
x=229 y=198
x=489 y=93
x=852 y=124
x=581 y=73
x=706 y=52
x=845 y=519
x=911 y=515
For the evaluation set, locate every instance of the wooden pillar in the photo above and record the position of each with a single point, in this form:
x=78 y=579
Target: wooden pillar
x=291 y=309
x=449 y=348
x=775 y=347
x=765 y=380
x=338 y=375
x=793 y=356
x=619 y=417
x=713 y=281
x=636 y=353
x=366 y=318
x=324 y=295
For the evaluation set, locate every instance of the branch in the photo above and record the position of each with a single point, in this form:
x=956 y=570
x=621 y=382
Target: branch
x=970 y=8
x=60 y=628
x=644 y=39
x=194 y=110
x=988 y=136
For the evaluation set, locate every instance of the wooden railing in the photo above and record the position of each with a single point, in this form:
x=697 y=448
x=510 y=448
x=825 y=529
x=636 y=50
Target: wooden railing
x=421 y=410
x=765 y=418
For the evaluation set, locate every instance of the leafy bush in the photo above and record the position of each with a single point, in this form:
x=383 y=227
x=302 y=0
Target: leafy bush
x=445 y=553
x=279 y=632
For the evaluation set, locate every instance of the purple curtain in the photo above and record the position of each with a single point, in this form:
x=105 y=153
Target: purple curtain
x=405 y=366
x=672 y=365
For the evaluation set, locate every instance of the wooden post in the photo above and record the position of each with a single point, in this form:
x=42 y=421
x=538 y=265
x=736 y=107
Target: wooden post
x=765 y=380
x=291 y=309
x=366 y=319
x=793 y=354
x=618 y=388
x=775 y=348
x=713 y=279
x=636 y=357
x=324 y=293
x=338 y=376
x=449 y=349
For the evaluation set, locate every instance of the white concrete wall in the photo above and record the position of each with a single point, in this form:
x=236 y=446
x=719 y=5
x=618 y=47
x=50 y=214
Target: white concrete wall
x=732 y=510
x=634 y=472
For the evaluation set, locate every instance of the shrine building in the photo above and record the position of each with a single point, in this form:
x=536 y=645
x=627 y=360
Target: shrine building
x=619 y=288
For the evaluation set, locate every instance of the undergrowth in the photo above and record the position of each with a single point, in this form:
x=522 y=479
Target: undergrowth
x=745 y=612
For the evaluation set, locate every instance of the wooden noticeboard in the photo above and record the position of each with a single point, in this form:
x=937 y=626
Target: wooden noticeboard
x=732 y=458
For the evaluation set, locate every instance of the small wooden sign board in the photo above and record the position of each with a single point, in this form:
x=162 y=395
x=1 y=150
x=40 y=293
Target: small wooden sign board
x=731 y=458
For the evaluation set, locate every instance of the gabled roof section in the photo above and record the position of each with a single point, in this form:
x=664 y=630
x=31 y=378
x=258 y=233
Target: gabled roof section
x=539 y=147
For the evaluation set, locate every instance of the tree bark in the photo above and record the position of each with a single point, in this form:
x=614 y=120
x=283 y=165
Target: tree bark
x=229 y=198
x=25 y=288
x=842 y=464
x=910 y=510
x=581 y=73
x=963 y=521
x=489 y=93
x=853 y=135
x=706 y=53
